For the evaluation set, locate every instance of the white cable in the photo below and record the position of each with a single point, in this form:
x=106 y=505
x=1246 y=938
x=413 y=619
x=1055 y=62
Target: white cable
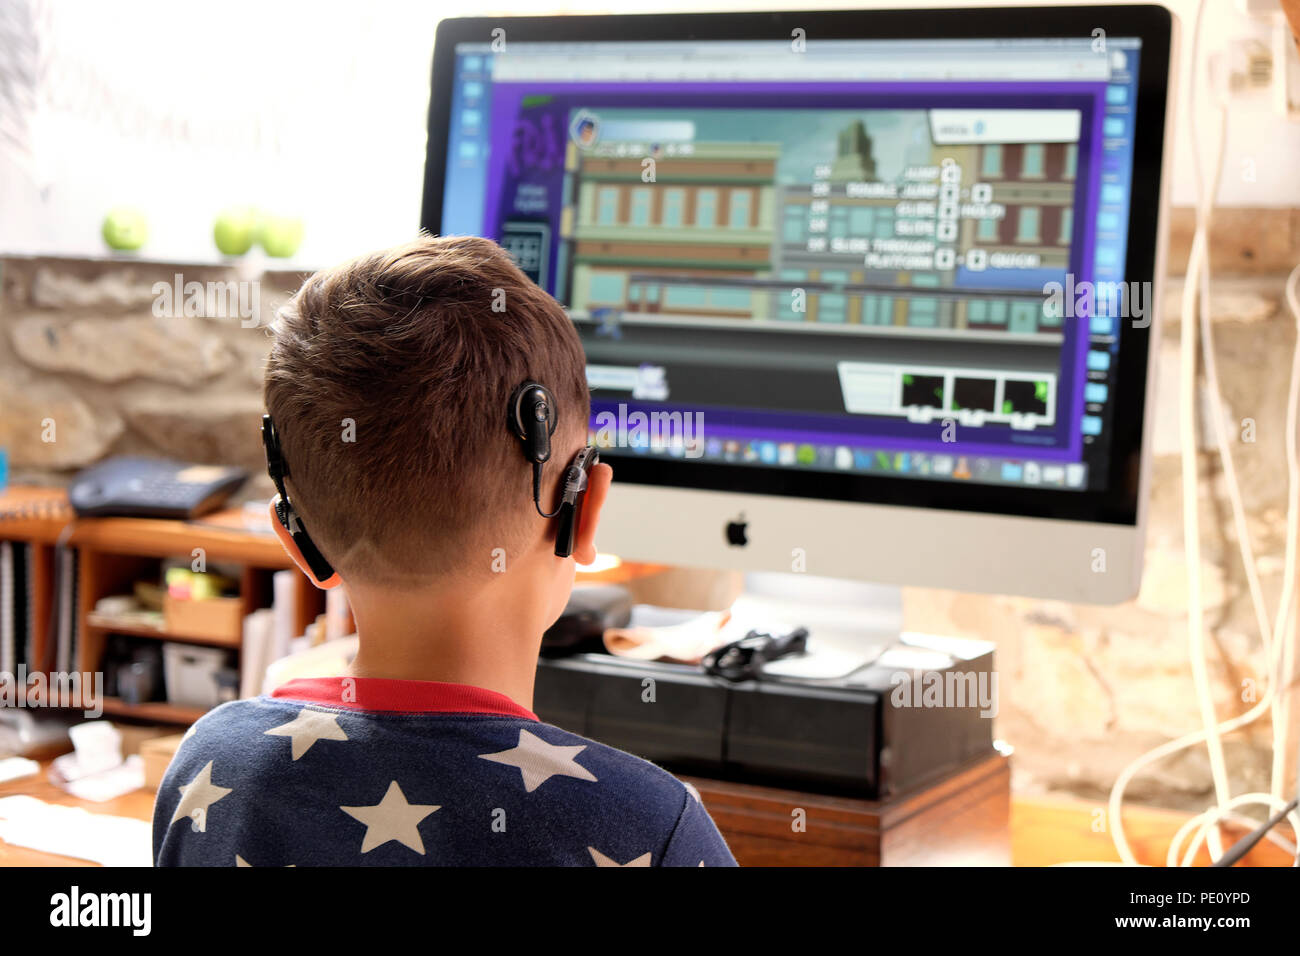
x=1217 y=418
x=1197 y=280
x=1205 y=821
x=1285 y=626
x=1283 y=630
x=1159 y=753
x=1190 y=447
x=1280 y=649
x=1272 y=836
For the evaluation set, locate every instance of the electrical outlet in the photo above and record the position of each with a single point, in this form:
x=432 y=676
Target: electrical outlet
x=1244 y=68
x=1277 y=69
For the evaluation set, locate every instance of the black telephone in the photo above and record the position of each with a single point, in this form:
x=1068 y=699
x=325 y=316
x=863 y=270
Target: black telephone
x=152 y=488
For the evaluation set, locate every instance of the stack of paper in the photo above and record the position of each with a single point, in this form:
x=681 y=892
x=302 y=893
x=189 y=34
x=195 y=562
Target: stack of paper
x=72 y=831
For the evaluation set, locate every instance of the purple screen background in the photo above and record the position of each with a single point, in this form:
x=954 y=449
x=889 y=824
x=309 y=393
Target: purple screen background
x=527 y=144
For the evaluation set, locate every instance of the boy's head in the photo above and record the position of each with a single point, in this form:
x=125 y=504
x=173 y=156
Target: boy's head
x=389 y=383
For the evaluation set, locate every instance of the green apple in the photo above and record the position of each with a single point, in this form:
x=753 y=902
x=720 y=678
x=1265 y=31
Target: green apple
x=281 y=236
x=235 y=230
x=125 y=229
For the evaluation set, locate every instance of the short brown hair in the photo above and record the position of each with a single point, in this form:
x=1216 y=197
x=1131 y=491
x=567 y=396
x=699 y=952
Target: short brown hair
x=413 y=353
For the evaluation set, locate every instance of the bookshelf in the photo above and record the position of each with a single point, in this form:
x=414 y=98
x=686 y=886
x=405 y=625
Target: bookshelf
x=112 y=553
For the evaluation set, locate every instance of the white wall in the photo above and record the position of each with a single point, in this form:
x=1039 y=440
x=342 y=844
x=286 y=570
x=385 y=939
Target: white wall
x=318 y=110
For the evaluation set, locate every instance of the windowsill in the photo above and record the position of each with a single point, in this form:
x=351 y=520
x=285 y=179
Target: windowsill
x=267 y=264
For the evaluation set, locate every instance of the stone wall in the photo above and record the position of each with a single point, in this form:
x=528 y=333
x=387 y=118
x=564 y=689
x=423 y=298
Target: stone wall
x=1083 y=689
x=83 y=346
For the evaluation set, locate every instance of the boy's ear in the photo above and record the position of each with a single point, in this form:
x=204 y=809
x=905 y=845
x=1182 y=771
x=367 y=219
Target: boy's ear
x=291 y=549
x=584 y=550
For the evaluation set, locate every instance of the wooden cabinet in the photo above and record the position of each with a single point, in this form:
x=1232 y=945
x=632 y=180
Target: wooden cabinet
x=112 y=553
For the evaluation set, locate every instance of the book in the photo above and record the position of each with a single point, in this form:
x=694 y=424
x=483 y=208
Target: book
x=8 y=655
x=68 y=625
x=255 y=656
x=285 y=604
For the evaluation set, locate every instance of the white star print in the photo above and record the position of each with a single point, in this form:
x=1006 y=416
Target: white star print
x=392 y=818
x=307 y=728
x=197 y=796
x=602 y=860
x=539 y=761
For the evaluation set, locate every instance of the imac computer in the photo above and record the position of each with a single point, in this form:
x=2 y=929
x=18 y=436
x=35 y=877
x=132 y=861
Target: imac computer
x=866 y=295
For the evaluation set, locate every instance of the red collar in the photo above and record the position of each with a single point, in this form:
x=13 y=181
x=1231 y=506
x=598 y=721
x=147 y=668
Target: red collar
x=401 y=696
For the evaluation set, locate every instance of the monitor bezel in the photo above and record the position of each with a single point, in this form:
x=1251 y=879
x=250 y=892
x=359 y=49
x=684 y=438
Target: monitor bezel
x=1119 y=503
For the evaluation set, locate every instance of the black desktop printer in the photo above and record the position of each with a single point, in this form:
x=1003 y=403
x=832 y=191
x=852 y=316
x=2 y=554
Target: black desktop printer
x=922 y=709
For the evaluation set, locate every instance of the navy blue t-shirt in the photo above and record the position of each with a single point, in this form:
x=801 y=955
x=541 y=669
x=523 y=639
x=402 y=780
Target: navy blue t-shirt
x=364 y=771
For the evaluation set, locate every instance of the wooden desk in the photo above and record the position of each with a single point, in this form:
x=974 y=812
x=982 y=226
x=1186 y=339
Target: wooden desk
x=961 y=819
x=138 y=805
x=1049 y=830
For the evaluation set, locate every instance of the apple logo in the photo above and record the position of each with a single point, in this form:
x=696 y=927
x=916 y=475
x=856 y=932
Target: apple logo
x=736 y=532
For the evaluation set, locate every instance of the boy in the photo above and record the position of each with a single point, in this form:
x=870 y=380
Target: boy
x=409 y=453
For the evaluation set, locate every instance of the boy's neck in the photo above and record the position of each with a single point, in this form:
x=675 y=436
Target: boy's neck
x=487 y=637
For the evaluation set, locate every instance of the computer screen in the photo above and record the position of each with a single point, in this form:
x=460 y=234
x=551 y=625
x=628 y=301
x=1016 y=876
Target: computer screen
x=895 y=270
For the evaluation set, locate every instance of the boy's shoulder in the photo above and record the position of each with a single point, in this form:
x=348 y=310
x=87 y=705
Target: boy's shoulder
x=507 y=789
x=539 y=750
